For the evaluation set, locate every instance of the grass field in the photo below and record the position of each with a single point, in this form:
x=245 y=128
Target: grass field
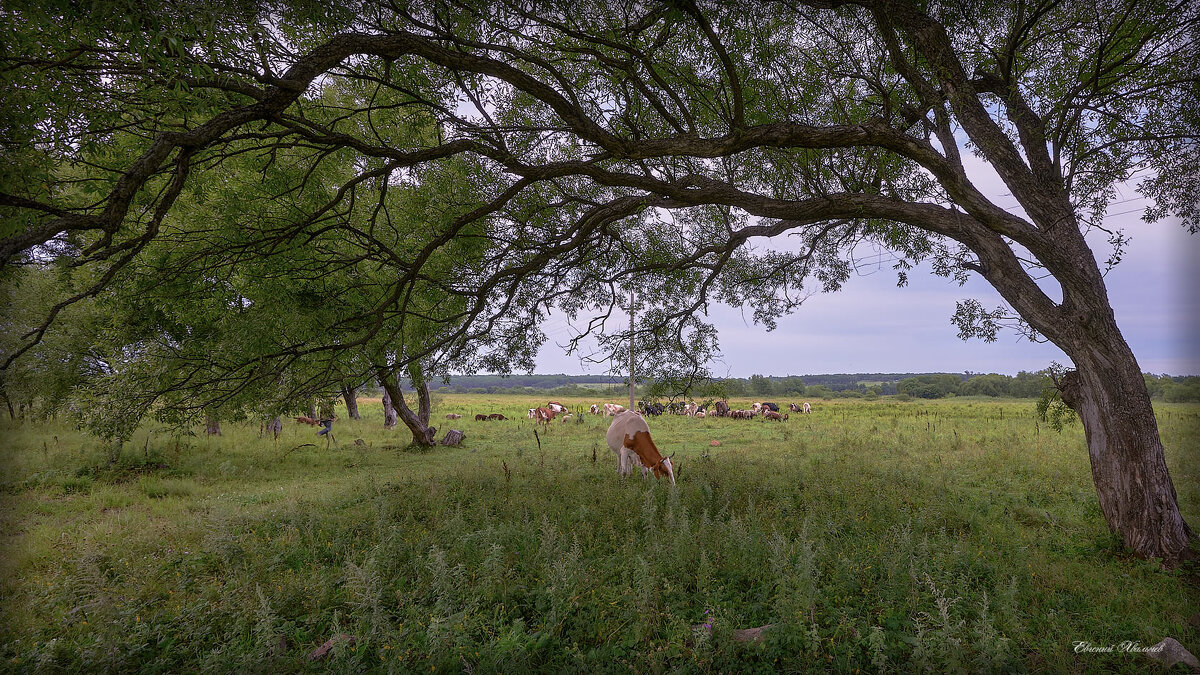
x=952 y=535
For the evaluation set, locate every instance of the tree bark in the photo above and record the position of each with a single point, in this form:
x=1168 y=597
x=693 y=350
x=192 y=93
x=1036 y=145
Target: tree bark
x=351 y=398
x=389 y=410
x=275 y=426
x=418 y=421
x=1129 y=467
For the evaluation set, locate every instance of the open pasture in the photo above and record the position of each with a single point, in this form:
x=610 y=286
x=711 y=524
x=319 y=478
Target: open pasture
x=877 y=536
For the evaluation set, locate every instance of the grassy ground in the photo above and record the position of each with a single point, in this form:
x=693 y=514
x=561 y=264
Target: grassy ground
x=875 y=536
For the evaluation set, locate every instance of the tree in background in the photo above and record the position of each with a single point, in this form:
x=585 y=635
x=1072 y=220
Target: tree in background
x=646 y=145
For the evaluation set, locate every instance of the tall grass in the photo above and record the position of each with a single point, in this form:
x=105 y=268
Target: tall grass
x=941 y=536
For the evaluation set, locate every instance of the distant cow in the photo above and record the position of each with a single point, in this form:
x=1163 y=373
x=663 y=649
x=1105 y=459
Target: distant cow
x=722 y=408
x=756 y=407
x=793 y=407
x=629 y=437
x=496 y=416
x=700 y=414
x=807 y=408
x=307 y=420
x=557 y=407
x=453 y=416
x=655 y=409
x=595 y=409
x=612 y=409
x=532 y=413
x=772 y=415
x=481 y=418
x=773 y=407
x=543 y=415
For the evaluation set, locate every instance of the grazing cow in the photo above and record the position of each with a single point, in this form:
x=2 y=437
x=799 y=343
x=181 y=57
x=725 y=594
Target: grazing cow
x=557 y=407
x=595 y=409
x=307 y=420
x=807 y=408
x=496 y=416
x=629 y=437
x=481 y=418
x=773 y=407
x=567 y=417
x=722 y=408
x=793 y=407
x=543 y=416
x=612 y=409
x=756 y=407
x=453 y=416
x=772 y=415
x=532 y=413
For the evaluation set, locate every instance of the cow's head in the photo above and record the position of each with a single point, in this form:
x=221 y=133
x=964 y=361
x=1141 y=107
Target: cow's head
x=642 y=445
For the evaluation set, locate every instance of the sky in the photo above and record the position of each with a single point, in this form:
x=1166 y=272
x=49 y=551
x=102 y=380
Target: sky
x=872 y=326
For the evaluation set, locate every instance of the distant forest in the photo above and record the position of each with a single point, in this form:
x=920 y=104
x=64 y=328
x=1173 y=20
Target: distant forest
x=838 y=385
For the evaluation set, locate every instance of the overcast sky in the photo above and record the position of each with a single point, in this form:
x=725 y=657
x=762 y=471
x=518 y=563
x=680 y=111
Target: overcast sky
x=873 y=326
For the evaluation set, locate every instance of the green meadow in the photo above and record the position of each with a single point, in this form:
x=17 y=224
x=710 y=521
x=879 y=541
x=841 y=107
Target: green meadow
x=956 y=535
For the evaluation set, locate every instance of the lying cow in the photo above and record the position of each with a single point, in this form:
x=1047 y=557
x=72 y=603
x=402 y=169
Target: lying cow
x=481 y=418
x=453 y=416
x=557 y=407
x=496 y=416
x=612 y=409
x=629 y=437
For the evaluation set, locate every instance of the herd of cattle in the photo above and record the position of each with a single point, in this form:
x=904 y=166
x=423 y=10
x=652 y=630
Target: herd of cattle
x=629 y=435
x=555 y=410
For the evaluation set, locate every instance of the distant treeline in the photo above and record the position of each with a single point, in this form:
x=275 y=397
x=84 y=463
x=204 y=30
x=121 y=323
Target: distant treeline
x=839 y=385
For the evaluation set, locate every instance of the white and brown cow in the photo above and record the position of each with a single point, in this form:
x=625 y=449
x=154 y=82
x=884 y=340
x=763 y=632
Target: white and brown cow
x=612 y=409
x=543 y=416
x=557 y=407
x=595 y=409
x=629 y=437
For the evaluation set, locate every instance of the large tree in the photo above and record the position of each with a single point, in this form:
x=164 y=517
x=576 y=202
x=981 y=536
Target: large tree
x=707 y=125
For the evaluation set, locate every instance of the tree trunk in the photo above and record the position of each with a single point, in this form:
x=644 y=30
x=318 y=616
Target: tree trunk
x=212 y=426
x=417 y=422
x=312 y=408
x=275 y=426
x=389 y=410
x=1129 y=469
x=351 y=398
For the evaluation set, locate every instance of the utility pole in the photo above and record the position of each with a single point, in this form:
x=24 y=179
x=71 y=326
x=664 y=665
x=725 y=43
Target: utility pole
x=631 y=404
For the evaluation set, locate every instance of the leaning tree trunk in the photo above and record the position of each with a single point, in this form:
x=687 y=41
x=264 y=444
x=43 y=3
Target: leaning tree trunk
x=351 y=398
x=417 y=422
x=1129 y=468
